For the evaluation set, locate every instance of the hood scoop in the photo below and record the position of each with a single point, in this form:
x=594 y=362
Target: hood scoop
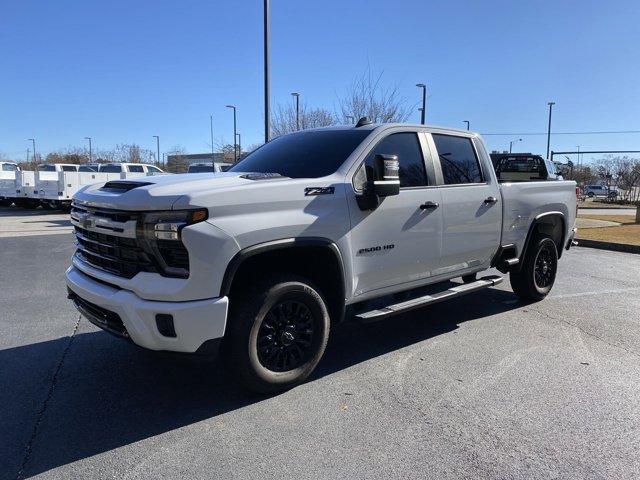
x=260 y=176
x=120 y=186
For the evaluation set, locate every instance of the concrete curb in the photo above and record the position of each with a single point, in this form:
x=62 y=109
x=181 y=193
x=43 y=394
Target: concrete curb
x=616 y=247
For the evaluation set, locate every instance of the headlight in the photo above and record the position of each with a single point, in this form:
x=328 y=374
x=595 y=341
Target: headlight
x=160 y=235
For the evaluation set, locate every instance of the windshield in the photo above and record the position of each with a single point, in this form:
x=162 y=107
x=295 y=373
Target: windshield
x=310 y=154
x=200 y=168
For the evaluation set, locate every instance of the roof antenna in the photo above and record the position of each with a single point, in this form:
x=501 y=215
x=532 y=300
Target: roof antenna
x=363 y=121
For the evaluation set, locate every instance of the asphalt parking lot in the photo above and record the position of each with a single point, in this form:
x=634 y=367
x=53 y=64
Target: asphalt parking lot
x=483 y=387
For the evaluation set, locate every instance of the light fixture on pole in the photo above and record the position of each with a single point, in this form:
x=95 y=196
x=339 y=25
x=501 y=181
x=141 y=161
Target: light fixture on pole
x=467 y=122
x=235 y=145
x=296 y=95
x=512 y=142
x=424 y=101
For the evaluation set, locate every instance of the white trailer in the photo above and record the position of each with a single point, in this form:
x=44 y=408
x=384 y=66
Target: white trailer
x=8 y=182
x=25 y=194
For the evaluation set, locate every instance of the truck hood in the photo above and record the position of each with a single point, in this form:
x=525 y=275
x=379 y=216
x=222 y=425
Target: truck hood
x=161 y=192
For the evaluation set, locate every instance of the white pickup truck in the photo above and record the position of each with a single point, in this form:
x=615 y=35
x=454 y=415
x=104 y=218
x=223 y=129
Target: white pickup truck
x=8 y=182
x=309 y=229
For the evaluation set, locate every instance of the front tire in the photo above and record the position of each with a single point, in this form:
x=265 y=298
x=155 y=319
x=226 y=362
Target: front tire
x=537 y=275
x=277 y=334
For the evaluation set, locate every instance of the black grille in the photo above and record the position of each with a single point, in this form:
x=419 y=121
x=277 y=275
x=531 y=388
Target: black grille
x=124 y=256
x=100 y=317
x=117 y=255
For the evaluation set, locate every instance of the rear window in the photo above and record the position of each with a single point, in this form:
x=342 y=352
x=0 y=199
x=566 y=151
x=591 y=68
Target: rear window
x=46 y=168
x=7 y=167
x=136 y=168
x=308 y=154
x=521 y=168
x=111 y=168
x=457 y=159
x=69 y=168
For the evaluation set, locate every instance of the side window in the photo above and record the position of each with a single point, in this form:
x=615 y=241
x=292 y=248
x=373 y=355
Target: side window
x=407 y=147
x=457 y=159
x=69 y=168
x=153 y=169
x=136 y=168
x=8 y=167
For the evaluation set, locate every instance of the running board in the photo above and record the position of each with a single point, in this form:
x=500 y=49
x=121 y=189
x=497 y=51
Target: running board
x=457 y=291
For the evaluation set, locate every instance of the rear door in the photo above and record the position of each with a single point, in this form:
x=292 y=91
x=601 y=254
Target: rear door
x=471 y=203
x=398 y=242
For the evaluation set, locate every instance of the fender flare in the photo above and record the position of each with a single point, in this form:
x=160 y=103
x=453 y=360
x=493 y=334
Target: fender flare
x=535 y=222
x=281 y=244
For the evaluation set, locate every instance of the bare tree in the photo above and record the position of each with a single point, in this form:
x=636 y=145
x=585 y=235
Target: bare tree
x=368 y=97
x=284 y=119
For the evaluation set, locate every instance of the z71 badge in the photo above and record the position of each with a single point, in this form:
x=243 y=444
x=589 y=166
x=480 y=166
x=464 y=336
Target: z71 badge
x=312 y=191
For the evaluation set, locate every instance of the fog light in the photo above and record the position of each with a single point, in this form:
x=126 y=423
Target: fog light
x=164 y=322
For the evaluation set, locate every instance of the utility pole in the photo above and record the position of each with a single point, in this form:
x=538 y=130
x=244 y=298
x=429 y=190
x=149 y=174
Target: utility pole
x=28 y=150
x=551 y=104
x=239 y=144
x=235 y=134
x=35 y=158
x=467 y=122
x=296 y=95
x=267 y=113
x=89 y=138
x=158 y=147
x=424 y=101
x=211 y=128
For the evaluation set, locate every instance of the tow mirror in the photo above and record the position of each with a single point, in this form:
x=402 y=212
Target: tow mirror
x=387 y=178
x=382 y=180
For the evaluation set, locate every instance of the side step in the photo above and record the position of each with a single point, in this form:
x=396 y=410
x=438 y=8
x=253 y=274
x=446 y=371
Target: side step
x=401 y=307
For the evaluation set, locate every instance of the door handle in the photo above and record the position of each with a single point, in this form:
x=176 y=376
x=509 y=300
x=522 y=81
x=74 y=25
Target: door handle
x=490 y=200
x=429 y=205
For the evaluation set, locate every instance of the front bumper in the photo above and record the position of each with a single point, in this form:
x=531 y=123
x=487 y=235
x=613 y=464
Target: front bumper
x=195 y=322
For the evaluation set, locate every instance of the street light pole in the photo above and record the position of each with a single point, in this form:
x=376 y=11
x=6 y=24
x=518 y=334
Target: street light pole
x=578 y=147
x=235 y=145
x=28 y=150
x=467 y=122
x=211 y=128
x=551 y=104
x=239 y=144
x=158 y=147
x=89 y=138
x=424 y=101
x=266 y=73
x=512 y=142
x=296 y=95
x=35 y=159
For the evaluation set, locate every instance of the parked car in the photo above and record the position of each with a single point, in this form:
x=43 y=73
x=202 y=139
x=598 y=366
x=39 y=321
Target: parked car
x=314 y=227
x=209 y=167
x=599 y=191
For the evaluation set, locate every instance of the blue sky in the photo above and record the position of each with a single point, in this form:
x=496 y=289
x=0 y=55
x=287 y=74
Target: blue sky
x=123 y=71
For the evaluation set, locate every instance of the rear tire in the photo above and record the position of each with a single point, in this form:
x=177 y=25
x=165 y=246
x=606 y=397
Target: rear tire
x=31 y=203
x=277 y=334
x=534 y=280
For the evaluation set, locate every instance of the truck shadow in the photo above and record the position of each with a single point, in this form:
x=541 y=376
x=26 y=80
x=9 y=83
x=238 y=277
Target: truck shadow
x=109 y=394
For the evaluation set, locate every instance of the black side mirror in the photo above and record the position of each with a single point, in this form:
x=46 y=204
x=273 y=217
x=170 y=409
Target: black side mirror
x=387 y=175
x=383 y=180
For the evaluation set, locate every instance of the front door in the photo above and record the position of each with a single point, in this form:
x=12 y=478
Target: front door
x=398 y=242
